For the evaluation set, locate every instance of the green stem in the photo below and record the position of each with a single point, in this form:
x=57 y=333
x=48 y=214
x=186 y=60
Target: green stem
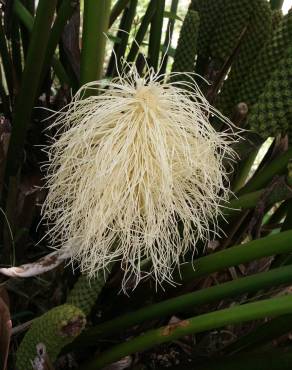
x=250 y=200
x=281 y=260
x=123 y=36
x=155 y=34
x=168 y=35
x=23 y=14
x=244 y=170
x=142 y=31
x=249 y=284
x=276 y=4
x=117 y=10
x=30 y=82
x=30 y=6
x=95 y=24
x=6 y=61
x=288 y=220
x=64 y=14
x=130 y=13
x=275 y=360
x=16 y=53
x=25 y=34
x=261 y=179
x=262 y=335
x=279 y=214
x=5 y=105
x=268 y=246
x=246 y=201
x=198 y=324
x=274 y=244
x=61 y=73
x=27 y=20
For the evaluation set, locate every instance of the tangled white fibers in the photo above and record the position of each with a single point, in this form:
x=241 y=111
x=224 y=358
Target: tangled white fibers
x=136 y=174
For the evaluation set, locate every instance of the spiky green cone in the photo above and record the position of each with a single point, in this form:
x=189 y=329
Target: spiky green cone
x=210 y=12
x=266 y=62
x=85 y=292
x=186 y=50
x=234 y=18
x=277 y=16
x=271 y=115
x=258 y=32
x=55 y=329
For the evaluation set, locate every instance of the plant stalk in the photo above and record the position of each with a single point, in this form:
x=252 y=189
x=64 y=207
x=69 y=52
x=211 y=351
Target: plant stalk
x=168 y=35
x=198 y=324
x=262 y=178
x=271 y=360
x=276 y=4
x=95 y=25
x=155 y=34
x=117 y=9
x=142 y=31
x=27 y=20
x=243 y=171
x=64 y=14
x=30 y=82
x=123 y=36
x=16 y=54
x=249 y=284
x=268 y=246
x=6 y=61
x=262 y=335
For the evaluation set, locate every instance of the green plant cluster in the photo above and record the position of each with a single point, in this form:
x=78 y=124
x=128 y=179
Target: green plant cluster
x=243 y=49
x=257 y=31
x=271 y=114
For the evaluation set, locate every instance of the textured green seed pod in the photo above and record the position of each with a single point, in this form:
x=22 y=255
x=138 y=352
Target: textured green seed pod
x=85 y=292
x=54 y=329
x=271 y=115
x=186 y=50
x=258 y=33
x=234 y=18
x=266 y=62
x=210 y=12
x=277 y=16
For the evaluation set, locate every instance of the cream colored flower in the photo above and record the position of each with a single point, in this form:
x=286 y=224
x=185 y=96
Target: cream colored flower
x=136 y=174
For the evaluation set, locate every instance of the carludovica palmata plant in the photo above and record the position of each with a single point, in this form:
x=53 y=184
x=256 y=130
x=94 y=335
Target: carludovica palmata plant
x=136 y=173
x=250 y=194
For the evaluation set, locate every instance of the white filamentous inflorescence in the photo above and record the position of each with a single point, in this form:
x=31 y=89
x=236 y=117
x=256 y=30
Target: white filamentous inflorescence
x=136 y=173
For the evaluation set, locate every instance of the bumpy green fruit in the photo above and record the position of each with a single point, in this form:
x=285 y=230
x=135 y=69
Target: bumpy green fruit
x=271 y=115
x=186 y=50
x=266 y=62
x=85 y=292
x=210 y=12
x=258 y=32
x=277 y=16
x=54 y=329
x=234 y=18
x=61 y=325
